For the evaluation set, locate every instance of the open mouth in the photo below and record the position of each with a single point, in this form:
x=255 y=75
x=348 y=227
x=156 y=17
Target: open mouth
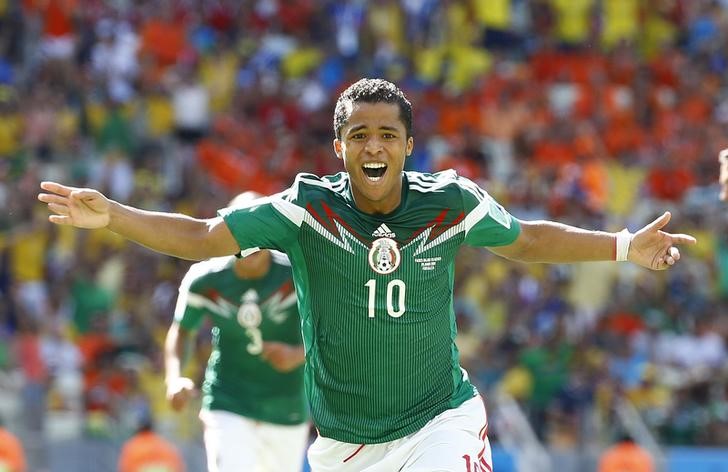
x=374 y=170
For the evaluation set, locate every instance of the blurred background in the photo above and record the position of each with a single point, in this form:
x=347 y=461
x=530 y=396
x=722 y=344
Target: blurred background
x=598 y=113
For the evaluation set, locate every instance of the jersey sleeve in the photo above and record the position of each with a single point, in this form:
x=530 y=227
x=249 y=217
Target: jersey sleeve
x=189 y=311
x=266 y=223
x=487 y=223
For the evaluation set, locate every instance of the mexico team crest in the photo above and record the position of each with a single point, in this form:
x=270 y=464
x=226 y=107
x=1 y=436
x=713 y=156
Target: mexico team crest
x=384 y=256
x=249 y=314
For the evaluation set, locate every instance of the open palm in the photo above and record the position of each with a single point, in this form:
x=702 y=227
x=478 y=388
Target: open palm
x=79 y=207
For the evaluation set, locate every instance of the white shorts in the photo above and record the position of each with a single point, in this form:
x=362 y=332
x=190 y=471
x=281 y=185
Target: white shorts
x=235 y=443
x=455 y=440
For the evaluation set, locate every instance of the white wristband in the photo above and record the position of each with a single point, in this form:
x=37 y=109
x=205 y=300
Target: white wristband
x=624 y=237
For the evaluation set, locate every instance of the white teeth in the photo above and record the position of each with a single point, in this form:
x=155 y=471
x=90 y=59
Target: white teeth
x=374 y=165
x=374 y=179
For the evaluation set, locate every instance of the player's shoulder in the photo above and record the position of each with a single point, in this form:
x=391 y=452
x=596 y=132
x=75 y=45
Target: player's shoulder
x=425 y=180
x=443 y=182
x=307 y=187
x=201 y=270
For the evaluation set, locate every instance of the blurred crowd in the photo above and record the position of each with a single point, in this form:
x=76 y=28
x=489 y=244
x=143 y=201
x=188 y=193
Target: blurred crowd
x=598 y=113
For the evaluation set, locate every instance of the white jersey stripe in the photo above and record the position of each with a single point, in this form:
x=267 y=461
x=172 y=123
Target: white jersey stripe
x=346 y=236
x=293 y=212
x=221 y=308
x=478 y=213
x=336 y=187
x=451 y=232
x=249 y=251
x=425 y=189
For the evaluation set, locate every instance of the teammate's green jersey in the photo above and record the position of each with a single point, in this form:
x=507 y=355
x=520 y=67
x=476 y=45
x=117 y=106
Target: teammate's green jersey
x=245 y=313
x=375 y=294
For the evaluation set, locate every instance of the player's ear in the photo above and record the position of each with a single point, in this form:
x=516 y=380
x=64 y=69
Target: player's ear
x=338 y=148
x=410 y=146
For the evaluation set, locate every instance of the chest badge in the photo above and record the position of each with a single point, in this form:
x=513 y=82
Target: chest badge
x=249 y=314
x=384 y=256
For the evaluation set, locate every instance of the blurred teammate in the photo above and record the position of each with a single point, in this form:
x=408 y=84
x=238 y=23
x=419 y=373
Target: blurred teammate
x=254 y=408
x=148 y=451
x=723 y=179
x=12 y=456
x=372 y=251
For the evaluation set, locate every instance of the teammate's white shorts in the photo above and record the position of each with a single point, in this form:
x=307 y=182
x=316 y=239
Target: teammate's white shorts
x=454 y=441
x=234 y=443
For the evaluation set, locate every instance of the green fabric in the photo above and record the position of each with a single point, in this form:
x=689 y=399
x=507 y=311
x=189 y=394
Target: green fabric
x=245 y=314
x=89 y=300
x=116 y=133
x=550 y=368
x=380 y=343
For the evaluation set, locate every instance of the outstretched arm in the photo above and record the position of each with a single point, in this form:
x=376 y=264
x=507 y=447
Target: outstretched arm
x=179 y=389
x=547 y=241
x=169 y=233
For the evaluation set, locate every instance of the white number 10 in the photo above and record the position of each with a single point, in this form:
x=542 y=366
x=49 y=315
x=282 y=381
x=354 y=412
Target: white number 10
x=396 y=283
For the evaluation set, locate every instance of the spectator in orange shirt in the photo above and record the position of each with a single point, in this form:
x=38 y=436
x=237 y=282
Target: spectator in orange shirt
x=626 y=456
x=147 y=450
x=12 y=456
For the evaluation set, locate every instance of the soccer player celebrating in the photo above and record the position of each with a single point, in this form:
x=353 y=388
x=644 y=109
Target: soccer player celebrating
x=372 y=251
x=253 y=408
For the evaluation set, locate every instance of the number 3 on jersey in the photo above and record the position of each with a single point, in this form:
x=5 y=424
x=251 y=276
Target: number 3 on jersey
x=393 y=285
x=255 y=346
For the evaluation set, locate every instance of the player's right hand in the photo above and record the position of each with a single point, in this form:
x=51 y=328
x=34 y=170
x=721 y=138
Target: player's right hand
x=179 y=391
x=79 y=207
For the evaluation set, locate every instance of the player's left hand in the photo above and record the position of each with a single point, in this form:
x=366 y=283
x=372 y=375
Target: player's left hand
x=283 y=357
x=655 y=249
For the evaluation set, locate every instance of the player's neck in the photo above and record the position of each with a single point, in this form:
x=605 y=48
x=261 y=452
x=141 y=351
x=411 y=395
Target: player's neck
x=249 y=270
x=384 y=206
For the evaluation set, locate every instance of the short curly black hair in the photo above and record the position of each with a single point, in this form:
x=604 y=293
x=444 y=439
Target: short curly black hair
x=371 y=91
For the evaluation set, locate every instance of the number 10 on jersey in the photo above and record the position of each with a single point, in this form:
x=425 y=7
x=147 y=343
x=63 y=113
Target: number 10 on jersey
x=393 y=286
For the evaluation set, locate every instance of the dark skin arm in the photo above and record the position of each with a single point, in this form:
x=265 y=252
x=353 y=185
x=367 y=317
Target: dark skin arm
x=169 y=233
x=551 y=242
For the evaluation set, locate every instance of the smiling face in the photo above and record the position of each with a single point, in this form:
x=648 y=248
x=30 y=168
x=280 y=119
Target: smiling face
x=373 y=146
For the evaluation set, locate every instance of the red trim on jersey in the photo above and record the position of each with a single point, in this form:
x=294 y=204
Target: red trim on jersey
x=479 y=464
x=483 y=433
x=329 y=224
x=484 y=436
x=438 y=231
x=438 y=226
x=358 y=449
x=467 y=463
x=285 y=289
x=212 y=294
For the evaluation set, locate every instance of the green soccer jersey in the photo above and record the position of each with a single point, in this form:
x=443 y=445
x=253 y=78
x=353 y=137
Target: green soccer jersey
x=375 y=294
x=244 y=314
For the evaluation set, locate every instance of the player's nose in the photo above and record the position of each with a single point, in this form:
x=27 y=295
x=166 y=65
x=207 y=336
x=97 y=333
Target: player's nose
x=373 y=145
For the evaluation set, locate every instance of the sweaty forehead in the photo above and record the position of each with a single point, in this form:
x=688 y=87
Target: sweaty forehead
x=373 y=115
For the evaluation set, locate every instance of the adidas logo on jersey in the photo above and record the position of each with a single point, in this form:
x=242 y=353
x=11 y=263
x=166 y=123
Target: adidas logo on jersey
x=383 y=232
